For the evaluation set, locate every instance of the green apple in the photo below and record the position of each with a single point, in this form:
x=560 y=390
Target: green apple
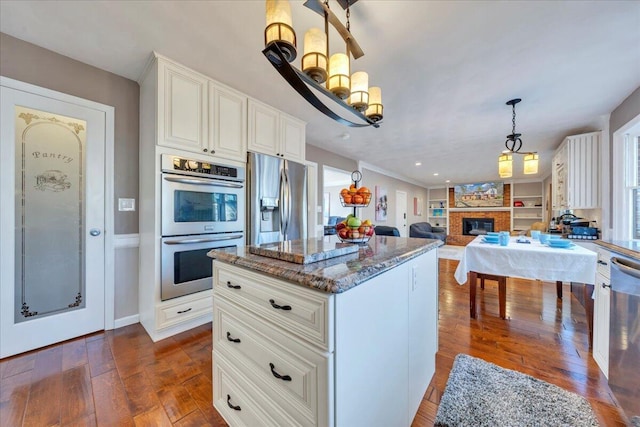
x=354 y=222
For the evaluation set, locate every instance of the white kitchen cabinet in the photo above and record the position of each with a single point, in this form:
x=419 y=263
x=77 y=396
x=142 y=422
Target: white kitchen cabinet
x=333 y=347
x=601 y=312
x=275 y=133
x=227 y=123
x=198 y=114
x=576 y=172
x=182 y=107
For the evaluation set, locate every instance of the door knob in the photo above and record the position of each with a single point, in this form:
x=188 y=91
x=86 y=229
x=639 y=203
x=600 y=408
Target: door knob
x=94 y=232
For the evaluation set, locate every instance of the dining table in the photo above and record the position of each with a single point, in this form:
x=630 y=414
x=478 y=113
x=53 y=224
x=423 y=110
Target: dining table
x=526 y=258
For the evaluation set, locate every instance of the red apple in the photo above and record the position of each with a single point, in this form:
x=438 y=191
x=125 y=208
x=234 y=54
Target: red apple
x=340 y=226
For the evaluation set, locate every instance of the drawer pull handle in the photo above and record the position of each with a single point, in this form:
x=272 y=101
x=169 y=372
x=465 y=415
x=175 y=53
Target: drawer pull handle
x=602 y=262
x=234 y=407
x=229 y=285
x=185 y=311
x=277 y=375
x=279 y=307
x=232 y=339
x=604 y=285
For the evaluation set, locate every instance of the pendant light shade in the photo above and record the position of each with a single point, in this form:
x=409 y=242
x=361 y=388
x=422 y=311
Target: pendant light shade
x=339 y=81
x=505 y=165
x=279 y=29
x=530 y=163
x=314 y=61
x=374 y=111
x=359 y=91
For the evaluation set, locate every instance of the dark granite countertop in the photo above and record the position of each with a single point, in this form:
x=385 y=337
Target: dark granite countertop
x=630 y=248
x=338 y=274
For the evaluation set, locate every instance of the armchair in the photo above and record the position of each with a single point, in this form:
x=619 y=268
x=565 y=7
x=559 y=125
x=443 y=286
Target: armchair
x=426 y=231
x=385 y=230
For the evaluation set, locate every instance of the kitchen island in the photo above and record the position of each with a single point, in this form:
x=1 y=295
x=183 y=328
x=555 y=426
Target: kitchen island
x=345 y=341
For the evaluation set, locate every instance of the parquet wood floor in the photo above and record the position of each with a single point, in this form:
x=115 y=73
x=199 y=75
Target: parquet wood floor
x=122 y=378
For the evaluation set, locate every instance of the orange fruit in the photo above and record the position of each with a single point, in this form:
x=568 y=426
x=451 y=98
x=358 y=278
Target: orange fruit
x=357 y=199
x=347 y=198
x=364 y=191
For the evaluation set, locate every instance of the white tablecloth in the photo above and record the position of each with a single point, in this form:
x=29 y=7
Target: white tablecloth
x=530 y=261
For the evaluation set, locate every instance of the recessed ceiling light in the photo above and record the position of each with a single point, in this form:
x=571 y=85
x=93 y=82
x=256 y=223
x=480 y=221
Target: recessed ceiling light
x=418 y=163
x=448 y=180
x=435 y=174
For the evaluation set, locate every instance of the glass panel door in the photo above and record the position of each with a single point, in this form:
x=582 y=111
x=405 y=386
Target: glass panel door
x=49 y=240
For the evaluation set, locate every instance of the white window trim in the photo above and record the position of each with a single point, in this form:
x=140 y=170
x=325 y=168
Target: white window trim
x=620 y=206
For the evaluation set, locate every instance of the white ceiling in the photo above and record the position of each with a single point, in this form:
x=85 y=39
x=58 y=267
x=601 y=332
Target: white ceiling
x=446 y=68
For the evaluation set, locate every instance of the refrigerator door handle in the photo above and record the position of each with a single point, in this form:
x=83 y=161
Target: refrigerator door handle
x=282 y=202
x=288 y=199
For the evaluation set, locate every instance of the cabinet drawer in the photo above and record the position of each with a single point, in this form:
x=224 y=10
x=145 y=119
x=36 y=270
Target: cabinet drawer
x=238 y=404
x=300 y=311
x=294 y=376
x=604 y=262
x=170 y=313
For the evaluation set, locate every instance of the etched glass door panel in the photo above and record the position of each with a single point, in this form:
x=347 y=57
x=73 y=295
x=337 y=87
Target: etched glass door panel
x=52 y=220
x=49 y=240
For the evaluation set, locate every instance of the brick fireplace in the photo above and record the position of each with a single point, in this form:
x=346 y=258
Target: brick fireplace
x=501 y=219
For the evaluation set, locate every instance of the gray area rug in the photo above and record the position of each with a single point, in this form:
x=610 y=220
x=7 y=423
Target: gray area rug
x=479 y=393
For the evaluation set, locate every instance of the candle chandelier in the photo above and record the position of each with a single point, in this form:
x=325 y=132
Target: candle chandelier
x=513 y=145
x=330 y=76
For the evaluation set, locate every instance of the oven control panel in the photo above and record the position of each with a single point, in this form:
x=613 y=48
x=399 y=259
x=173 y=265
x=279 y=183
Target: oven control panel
x=172 y=163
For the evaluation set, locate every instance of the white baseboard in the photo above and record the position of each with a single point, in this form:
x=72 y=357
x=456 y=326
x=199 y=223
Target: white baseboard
x=126 y=321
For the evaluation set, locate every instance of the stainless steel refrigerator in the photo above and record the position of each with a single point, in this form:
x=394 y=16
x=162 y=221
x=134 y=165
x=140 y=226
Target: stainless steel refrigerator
x=277 y=200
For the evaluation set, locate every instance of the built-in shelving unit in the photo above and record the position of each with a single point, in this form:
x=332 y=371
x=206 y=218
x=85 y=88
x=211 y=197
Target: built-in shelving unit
x=526 y=202
x=438 y=207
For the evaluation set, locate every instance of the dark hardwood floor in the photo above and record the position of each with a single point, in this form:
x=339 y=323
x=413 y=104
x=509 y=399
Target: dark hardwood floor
x=122 y=378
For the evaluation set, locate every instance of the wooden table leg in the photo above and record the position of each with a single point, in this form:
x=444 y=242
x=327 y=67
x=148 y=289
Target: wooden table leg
x=473 y=283
x=559 y=289
x=502 y=296
x=588 y=307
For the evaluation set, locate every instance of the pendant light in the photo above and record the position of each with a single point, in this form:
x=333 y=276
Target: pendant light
x=513 y=145
x=331 y=79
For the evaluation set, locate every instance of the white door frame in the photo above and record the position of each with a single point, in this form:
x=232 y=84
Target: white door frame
x=109 y=279
x=402 y=221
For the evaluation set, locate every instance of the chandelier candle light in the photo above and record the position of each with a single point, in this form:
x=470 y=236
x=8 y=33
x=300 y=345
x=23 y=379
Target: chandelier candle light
x=331 y=78
x=513 y=145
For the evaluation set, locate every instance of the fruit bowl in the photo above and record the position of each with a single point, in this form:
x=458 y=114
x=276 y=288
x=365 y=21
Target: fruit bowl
x=355 y=197
x=360 y=234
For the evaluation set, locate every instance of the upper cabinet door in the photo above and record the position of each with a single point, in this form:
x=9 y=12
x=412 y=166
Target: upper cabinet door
x=227 y=123
x=263 y=128
x=182 y=105
x=293 y=138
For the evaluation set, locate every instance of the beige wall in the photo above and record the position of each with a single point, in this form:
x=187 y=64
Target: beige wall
x=32 y=64
x=372 y=179
x=322 y=158
x=627 y=110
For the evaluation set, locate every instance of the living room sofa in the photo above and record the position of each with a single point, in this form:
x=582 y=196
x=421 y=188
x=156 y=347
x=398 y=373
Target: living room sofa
x=426 y=231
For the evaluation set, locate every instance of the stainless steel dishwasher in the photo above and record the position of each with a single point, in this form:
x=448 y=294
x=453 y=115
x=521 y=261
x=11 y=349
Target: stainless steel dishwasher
x=624 y=336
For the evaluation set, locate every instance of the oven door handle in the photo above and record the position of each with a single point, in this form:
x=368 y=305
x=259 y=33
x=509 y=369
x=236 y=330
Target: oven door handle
x=196 y=181
x=190 y=241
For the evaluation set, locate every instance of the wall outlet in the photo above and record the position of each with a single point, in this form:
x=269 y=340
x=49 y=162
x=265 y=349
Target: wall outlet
x=126 y=205
x=414 y=277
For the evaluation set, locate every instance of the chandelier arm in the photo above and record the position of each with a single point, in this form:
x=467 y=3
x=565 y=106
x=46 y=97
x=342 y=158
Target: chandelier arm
x=319 y=7
x=300 y=82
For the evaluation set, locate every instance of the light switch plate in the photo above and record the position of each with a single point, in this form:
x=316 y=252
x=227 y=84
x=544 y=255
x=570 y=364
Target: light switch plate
x=126 y=205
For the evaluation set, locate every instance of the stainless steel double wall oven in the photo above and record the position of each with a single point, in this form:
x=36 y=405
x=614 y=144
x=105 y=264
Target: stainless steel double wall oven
x=203 y=208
